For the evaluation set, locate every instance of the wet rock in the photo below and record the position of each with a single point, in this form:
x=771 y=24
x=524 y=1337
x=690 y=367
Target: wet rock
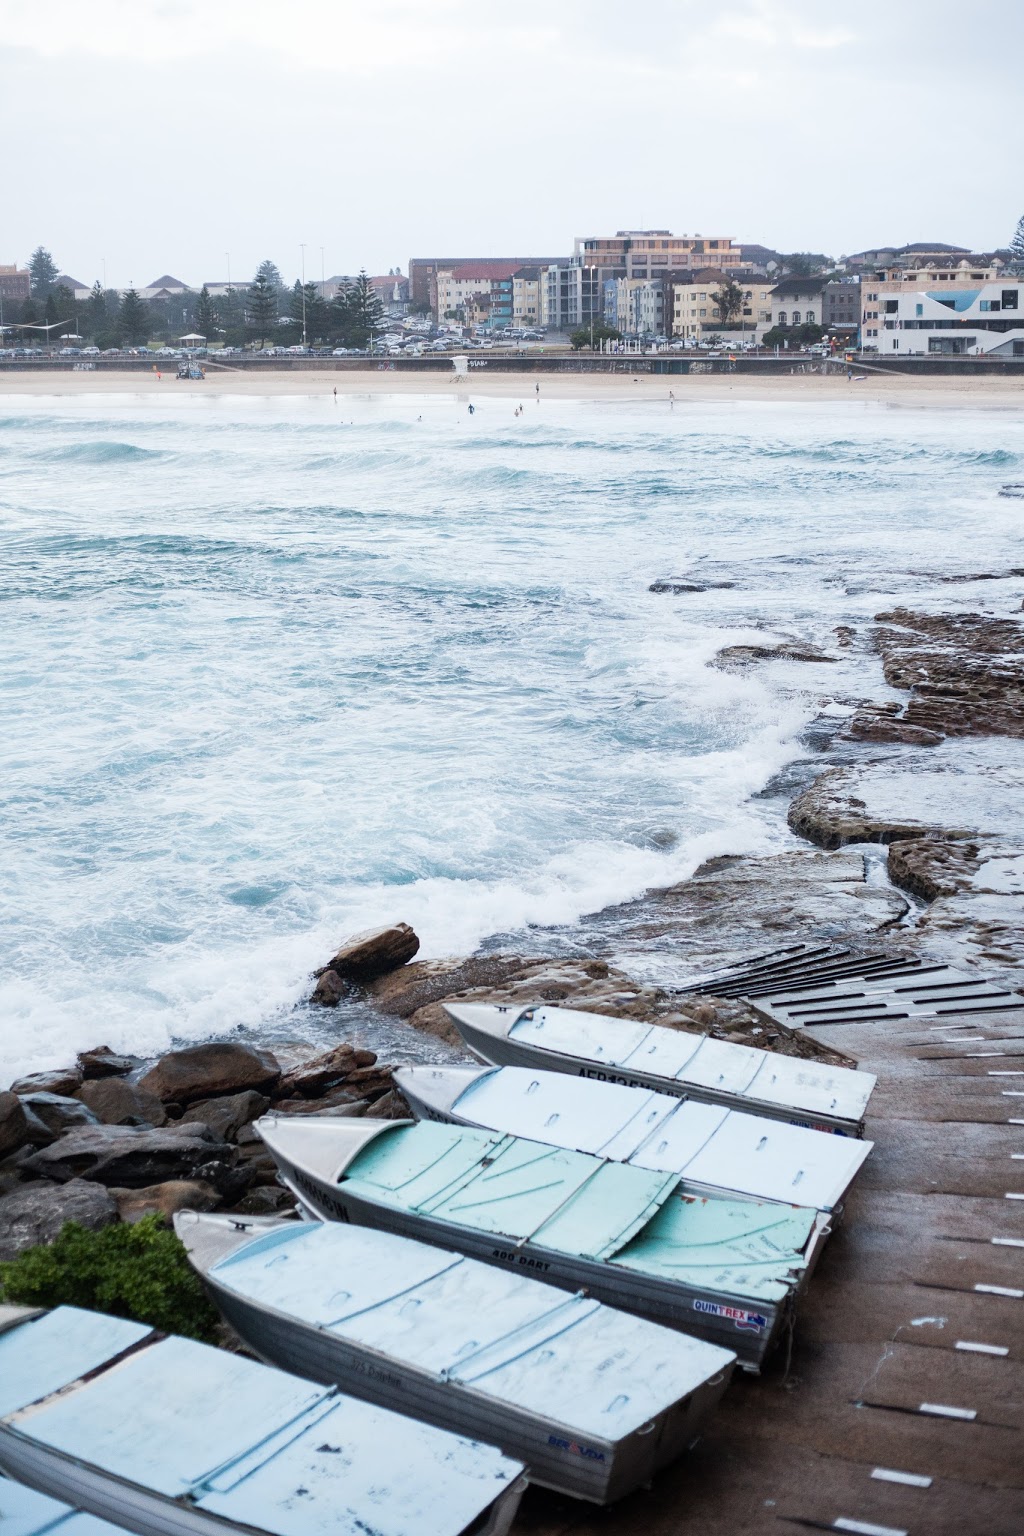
x=225 y=1117
x=831 y=814
x=57 y=1113
x=266 y=1200
x=883 y=723
x=312 y=1078
x=165 y=1199
x=368 y=955
x=329 y=989
x=115 y=1102
x=931 y=867
x=102 y=1062
x=844 y=635
x=679 y=585
x=128 y=1156
x=64 y=1081
x=964 y=671
x=207 y=1071
x=14 y=1128
x=392 y=1106
x=427 y=981
x=744 y=655
x=339 y=1101
x=34 y=1213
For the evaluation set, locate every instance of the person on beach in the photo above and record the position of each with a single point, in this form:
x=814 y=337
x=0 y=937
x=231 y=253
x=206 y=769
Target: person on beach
x=472 y=408
x=536 y=390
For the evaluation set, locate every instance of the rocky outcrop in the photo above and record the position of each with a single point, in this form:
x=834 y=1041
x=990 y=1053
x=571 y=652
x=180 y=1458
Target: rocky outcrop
x=885 y=723
x=14 y=1129
x=932 y=867
x=964 y=671
x=207 y=1071
x=366 y=956
x=129 y=1155
x=831 y=813
x=732 y=656
x=680 y=585
x=34 y=1213
x=225 y=1117
x=115 y=1102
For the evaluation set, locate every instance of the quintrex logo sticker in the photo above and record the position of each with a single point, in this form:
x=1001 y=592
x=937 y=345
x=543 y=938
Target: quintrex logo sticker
x=755 y=1321
x=576 y=1448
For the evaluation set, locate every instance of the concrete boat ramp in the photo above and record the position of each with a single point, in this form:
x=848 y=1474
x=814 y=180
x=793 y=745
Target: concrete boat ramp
x=902 y=1410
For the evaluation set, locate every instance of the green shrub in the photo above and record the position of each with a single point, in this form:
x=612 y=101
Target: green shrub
x=139 y=1272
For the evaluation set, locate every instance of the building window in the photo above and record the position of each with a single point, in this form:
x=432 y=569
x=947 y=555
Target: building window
x=919 y=309
x=782 y=317
x=796 y=317
x=810 y=317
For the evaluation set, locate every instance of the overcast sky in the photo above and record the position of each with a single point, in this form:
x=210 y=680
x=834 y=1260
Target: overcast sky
x=159 y=135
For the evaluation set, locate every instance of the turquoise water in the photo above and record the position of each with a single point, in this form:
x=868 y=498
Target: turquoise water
x=274 y=670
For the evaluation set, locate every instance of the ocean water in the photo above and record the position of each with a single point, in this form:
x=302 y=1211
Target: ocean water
x=274 y=670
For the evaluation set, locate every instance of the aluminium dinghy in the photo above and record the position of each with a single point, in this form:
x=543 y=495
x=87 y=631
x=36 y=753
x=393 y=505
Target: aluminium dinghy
x=611 y=1050
x=24 y=1512
x=726 y=1270
x=593 y=1400
x=713 y=1148
x=172 y=1438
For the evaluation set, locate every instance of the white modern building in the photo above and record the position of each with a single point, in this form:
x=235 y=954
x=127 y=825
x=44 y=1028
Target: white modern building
x=984 y=319
x=573 y=295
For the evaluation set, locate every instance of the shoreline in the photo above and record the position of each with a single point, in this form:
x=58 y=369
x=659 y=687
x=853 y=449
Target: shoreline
x=986 y=392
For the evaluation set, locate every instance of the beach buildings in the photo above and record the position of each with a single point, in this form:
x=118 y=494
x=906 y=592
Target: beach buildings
x=424 y=270
x=15 y=283
x=527 y=298
x=653 y=253
x=695 y=312
x=968 y=308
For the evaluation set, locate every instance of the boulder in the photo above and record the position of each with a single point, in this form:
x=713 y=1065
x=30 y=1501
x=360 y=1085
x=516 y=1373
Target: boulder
x=14 y=1128
x=225 y=1117
x=374 y=953
x=115 y=1102
x=787 y=650
x=102 y=1062
x=34 y=1213
x=311 y=1078
x=56 y=1113
x=329 y=989
x=63 y=1081
x=127 y=1155
x=266 y=1200
x=207 y=1071
x=338 y=1101
x=164 y=1199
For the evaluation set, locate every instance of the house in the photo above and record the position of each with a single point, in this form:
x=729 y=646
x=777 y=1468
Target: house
x=165 y=287
x=971 y=308
x=903 y=255
x=799 y=301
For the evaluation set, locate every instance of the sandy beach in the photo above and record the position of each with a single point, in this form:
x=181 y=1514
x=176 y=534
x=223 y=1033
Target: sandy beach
x=987 y=392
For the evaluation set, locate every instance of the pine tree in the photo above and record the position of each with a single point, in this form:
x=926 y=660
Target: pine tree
x=97 y=317
x=60 y=306
x=1017 y=243
x=206 y=315
x=261 y=306
x=43 y=269
x=359 y=313
x=269 y=271
x=133 y=319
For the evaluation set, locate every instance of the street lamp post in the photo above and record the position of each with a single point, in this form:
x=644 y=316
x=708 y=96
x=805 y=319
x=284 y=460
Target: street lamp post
x=302 y=248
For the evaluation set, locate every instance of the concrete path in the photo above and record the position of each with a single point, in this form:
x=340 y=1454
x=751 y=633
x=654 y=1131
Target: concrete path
x=902 y=1408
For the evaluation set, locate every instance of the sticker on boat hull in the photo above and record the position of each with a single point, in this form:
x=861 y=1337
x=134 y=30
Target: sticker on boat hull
x=753 y=1321
x=577 y=1450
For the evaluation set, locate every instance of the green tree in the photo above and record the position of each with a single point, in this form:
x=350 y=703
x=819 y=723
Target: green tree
x=1017 y=243
x=358 y=312
x=138 y=1271
x=133 y=318
x=269 y=271
x=42 y=269
x=60 y=308
x=97 y=315
x=206 y=315
x=586 y=337
x=261 y=306
x=729 y=299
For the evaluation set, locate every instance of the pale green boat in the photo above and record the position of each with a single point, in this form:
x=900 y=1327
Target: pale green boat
x=728 y=1270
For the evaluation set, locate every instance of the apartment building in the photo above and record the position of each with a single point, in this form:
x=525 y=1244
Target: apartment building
x=423 y=271
x=634 y=305
x=527 y=298
x=15 y=283
x=653 y=253
x=967 y=309
x=695 y=312
x=573 y=295
x=457 y=287
x=841 y=305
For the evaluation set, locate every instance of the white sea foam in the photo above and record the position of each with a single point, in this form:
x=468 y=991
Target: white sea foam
x=275 y=670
